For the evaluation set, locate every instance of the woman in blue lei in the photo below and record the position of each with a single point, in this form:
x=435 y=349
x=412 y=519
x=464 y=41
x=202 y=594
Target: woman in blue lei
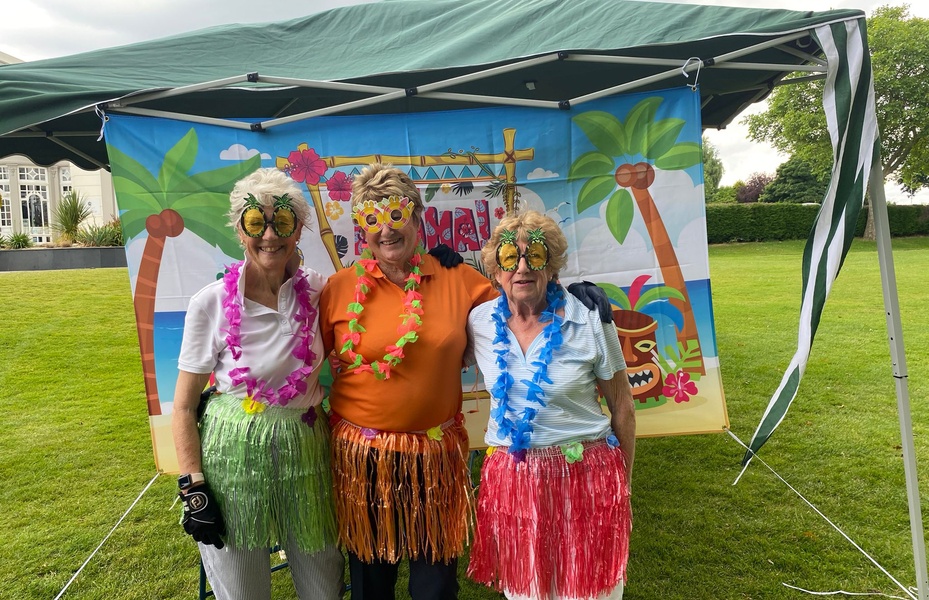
x=553 y=515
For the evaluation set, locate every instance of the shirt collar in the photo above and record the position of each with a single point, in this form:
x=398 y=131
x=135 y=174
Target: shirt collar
x=427 y=267
x=286 y=287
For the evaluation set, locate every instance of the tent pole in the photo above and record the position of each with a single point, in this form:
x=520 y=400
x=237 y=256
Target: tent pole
x=898 y=360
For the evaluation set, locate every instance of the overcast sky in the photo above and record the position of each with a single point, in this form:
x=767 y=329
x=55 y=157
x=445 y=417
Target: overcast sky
x=37 y=29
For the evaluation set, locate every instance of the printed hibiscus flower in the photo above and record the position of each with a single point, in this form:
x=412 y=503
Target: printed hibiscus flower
x=339 y=186
x=306 y=166
x=499 y=212
x=679 y=386
x=334 y=210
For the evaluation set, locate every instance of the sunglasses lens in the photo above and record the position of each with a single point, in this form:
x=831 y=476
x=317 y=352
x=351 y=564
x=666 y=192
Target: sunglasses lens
x=253 y=222
x=508 y=257
x=396 y=219
x=537 y=256
x=285 y=222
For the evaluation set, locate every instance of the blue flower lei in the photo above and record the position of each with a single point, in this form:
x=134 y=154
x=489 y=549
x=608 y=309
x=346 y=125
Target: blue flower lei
x=520 y=431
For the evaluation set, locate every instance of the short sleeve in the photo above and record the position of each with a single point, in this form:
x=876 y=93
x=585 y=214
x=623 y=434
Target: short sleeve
x=610 y=353
x=199 y=352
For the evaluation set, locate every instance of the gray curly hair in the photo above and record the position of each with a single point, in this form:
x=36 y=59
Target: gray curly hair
x=264 y=184
x=523 y=223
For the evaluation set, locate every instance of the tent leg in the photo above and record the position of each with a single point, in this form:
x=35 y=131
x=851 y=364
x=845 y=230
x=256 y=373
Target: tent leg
x=898 y=358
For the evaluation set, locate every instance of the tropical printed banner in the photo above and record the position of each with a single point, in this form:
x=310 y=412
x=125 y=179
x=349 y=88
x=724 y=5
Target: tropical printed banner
x=622 y=176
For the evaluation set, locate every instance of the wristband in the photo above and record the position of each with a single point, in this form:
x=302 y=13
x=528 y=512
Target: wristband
x=189 y=480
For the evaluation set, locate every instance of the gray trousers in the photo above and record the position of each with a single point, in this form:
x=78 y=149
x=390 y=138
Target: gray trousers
x=246 y=574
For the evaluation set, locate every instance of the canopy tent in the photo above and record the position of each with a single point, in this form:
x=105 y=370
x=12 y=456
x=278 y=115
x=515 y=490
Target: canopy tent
x=420 y=55
x=408 y=56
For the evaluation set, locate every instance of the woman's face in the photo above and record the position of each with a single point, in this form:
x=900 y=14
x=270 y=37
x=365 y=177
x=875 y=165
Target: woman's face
x=394 y=247
x=524 y=285
x=270 y=252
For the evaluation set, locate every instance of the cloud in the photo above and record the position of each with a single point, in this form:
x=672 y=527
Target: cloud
x=540 y=173
x=240 y=152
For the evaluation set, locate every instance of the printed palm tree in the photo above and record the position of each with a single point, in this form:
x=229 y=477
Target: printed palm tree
x=163 y=207
x=649 y=302
x=617 y=144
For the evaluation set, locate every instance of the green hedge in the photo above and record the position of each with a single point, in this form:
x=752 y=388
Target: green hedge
x=759 y=222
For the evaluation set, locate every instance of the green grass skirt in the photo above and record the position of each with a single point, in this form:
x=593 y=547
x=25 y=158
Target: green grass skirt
x=270 y=474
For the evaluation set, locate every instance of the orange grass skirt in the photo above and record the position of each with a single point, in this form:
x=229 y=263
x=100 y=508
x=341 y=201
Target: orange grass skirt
x=546 y=526
x=402 y=494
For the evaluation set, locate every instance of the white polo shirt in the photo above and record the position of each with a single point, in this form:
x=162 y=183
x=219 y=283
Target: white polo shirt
x=572 y=413
x=268 y=338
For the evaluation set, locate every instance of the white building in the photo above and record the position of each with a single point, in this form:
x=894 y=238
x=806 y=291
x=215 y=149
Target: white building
x=29 y=193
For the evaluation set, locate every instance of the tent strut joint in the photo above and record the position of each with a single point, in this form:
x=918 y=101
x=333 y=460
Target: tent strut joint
x=411 y=91
x=252 y=77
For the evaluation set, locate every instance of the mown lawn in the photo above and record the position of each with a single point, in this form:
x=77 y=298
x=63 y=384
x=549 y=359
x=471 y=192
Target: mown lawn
x=75 y=448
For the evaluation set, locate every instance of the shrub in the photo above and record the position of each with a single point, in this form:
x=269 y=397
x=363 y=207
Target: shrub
x=108 y=234
x=4 y=242
x=758 y=222
x=20 y=240
x=69 y=214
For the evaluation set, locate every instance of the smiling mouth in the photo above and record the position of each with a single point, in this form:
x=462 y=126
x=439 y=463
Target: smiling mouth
x=391 y=242
x=270 y=250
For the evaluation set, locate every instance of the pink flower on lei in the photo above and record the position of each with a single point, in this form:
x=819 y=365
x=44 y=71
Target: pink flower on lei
x=679 y=386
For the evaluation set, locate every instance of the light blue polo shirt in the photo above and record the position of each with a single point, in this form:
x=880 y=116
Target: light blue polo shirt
x=590 y=351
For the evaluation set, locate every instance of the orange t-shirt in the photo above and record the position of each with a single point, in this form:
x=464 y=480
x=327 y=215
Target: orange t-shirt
x=424 y=390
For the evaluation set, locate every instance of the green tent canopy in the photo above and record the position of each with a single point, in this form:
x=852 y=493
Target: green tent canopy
x=419 y=56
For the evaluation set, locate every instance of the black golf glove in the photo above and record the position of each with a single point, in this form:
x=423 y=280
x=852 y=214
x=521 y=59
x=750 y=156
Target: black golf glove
x=447 y=257
x=202 y=518
x=594 y=298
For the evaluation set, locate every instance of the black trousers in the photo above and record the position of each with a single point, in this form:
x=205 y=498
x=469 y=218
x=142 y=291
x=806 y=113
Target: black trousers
x=428 y=580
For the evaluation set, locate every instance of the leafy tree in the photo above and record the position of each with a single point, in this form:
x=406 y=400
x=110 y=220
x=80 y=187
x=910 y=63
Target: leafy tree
x=795 y=124
x=712 y=170
x=727 y=194
x=795 y=181
x=752 y=189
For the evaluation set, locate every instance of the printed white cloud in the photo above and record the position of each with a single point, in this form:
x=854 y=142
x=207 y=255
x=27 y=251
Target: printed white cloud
x=240 y=152
x=540 y=173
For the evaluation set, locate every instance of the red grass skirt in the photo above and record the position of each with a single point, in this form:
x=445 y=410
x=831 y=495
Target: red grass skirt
x=545 y=526
x=402 y=494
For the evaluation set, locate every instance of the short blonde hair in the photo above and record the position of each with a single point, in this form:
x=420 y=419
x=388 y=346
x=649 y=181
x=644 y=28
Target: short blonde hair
x=379 y=181
x=522 y=224
x=264 y=184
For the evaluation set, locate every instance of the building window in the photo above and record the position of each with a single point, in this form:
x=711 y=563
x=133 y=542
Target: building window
x=6 y=205
x=33 y=195
x=65 y=178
